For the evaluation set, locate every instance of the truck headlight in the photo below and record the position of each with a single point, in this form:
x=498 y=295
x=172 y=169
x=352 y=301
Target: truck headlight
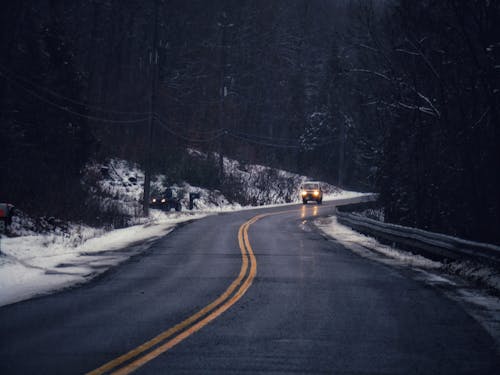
x=316 y=192
x=303 y=192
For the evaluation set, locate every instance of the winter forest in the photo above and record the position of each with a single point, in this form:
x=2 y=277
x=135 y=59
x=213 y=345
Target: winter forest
x=397 y=97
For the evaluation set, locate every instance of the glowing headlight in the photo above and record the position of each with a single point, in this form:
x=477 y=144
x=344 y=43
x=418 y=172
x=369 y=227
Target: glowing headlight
x=154 y=200
x=163 y=200
x=303 y=192
x=316 y=192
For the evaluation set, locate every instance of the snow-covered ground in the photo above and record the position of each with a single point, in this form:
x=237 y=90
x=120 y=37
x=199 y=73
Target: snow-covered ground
x=46 y=255
x=464 y=282
x=369 y=247
x=360 y=244
x=36 y=264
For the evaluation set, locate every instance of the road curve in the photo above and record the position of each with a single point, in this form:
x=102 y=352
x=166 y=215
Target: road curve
x=247 y=292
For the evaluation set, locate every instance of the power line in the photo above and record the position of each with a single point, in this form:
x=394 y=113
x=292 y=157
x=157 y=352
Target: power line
x=247 y=138
x=217 y=133
x=68 y=110
x=60 y=96
x=265 y=137
x=182 y=129
x=189 y=139
x=234 y=135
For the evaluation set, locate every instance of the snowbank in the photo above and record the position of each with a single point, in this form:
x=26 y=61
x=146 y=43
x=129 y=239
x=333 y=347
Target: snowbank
x=366 y=246
x=36 y=264
x=359 y=243
x=477 y=300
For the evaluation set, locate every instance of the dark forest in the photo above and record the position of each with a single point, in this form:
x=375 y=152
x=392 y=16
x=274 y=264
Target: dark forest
x=397 y=97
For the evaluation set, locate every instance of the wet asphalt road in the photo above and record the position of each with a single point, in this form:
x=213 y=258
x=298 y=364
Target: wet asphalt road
x=314 y=307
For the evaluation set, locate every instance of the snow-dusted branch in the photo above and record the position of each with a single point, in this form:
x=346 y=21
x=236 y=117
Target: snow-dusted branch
x=413 y=107
x=430 y=109
x=365 y=46
x=429 y=102
x=407 y=52
x=481 y=118
x=424 y=57
x=378 y=74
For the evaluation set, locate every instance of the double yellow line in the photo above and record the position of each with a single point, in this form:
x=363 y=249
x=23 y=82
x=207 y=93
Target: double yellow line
x=137 y=357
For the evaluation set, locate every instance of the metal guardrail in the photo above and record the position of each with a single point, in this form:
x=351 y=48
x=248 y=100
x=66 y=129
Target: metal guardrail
x=434 y=245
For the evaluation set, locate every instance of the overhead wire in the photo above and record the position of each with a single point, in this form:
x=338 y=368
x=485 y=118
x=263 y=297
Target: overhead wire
x=68 y=110
x=215 y=134
x=189 y=139
x=269 y=144
x=248 y=137
x=63 y=97
x=197 y=132
x=257 y=136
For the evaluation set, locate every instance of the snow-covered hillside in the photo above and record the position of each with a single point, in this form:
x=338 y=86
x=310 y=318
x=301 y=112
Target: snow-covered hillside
x=258 y=185
x=118 y=185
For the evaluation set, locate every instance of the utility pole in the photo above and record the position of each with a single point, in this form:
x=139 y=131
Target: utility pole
x=342 y=140
x=153 y=61
x=223 y=24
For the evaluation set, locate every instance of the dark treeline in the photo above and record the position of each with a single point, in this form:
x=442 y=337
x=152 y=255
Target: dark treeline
x=434 y=72
x=396 y=96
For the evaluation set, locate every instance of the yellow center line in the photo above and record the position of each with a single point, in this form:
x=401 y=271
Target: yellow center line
x=196 y=327
x=214 y=309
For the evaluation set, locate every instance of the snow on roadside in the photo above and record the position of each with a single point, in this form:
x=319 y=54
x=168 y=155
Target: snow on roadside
x=359 y=243
x=362 y=244
x=473 y=297
x=476 y=272
x=37 y=264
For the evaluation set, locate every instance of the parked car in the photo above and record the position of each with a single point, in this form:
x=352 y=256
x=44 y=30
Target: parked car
x=311 y=191
x=170 y=199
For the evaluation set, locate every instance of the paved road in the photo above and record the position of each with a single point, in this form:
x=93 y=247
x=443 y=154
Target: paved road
x=313 y=307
